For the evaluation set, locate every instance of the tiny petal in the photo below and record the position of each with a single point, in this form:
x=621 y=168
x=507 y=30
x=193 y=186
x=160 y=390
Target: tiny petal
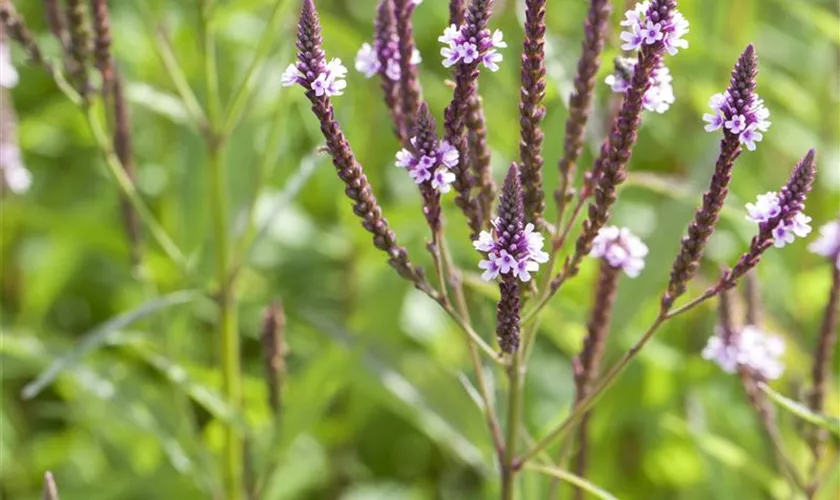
x=485 y=242
x=367 y=61
x=291 y=76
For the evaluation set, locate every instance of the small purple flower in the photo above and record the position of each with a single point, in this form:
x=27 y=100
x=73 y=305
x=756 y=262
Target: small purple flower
x=659 y=96
x=430 y=167
x=367 y=61
x=736 y=124
x=748 y=125
x=828 y=244
x=751 y=347
x=652 y=32
x=750 y=136
x=291 y=76
x=491 y=267
x=766 y=207
x=787 y=233
x=442 y=180
x=527 y=252
x=621 y=248
x=459 y=49
x=633 y=39
x=328 y=83
x=641 y=30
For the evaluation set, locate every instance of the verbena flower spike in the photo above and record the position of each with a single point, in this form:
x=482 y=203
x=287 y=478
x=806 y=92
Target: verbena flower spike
x=531 y=110
x=322 y=80
x=741 y=93
x=609 y=170
x=787 y=207
x=466 y=47
x=658 y=97
x=511 y=253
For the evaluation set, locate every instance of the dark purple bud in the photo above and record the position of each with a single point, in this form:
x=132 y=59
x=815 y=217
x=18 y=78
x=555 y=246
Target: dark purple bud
x=791 y=202
x=80 y=45
x=387 y=46
x=531 y=110
x=102 y=41
x=741 y=93
x=358 y=189
x=410 y=93
x=273 y=343
x=479 y=157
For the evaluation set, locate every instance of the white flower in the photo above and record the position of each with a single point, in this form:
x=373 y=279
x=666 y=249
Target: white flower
x=491 y=267
x=828 y=244
x=8 y=73
x=450 y=35
x=485 y=242
x=416 y=58
x=443 y=179
x=404 y=158
x=765 y=208
x=291 y=76
x=15 y=175
x=392 y=70
x=787 y=233
x=750 y=136
x=449 y=155
x=751 y=347
x=652 y=32
x=367 y=61
x=621 y=248
x=524 y=268
x=535 y=241
x=736 y=124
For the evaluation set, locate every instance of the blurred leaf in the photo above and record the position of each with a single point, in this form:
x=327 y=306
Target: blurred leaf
x=100 y=335
x=572 y=479
x=822 y=421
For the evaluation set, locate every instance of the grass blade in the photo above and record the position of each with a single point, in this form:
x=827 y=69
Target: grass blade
x=100 y=335
x=572 y=479
x=829 y=423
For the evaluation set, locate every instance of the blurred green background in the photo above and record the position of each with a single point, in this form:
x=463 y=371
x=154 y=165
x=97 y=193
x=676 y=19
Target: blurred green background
x=374 y=404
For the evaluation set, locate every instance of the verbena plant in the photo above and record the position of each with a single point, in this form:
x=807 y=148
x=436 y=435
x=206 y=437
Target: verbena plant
x=531 y=258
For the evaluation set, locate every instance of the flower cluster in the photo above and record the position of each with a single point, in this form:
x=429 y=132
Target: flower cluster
x=748 y=126
x=768 y=206
x=643 y=27
x=659 y=96
x=467 y=50
x=329 y=82
x=751 y=347
x=828 y=244
x=435 y=167
x=15 y=175
x=621 y=248
x=367 y=59
x=521 y=258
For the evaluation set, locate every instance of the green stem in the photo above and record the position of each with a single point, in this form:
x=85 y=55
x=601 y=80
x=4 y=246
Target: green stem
x=586 y=403
x=510 y=465
x=159 y=234
x=173 y=69
x=243 y=92
x=229 y=333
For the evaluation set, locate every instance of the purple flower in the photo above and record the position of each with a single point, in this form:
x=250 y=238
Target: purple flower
x=459 y=49
x=751 y=347
x=442 y=179
x=786 y=233
x=659 y=96
x=432 y=167
x=739 y=116
x=621 y=248
x=641 y=28
x=765 y=208
x=367 y=61
x=328 y=83
x=736 y=124
x=369 y=64
x=828 y=244
x=521 y=258
x=768 y=206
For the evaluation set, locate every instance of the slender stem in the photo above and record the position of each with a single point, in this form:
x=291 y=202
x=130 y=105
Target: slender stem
x=573 y=479
x=586 y=403
x=708 y=294
x=243 y=92
x=130 y=192
x=510 y=465
x=173 y=69
x=229 y=334
x=486 y=399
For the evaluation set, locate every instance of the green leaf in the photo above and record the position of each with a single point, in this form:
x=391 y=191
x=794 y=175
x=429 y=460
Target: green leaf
x=101 y=334
x=572 y=479
x=823 y=421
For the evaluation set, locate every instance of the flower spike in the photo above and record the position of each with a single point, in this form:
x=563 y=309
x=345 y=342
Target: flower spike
x=531 y=110
x=310 y=69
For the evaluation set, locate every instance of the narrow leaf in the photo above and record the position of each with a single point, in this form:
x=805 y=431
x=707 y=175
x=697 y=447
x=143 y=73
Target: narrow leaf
x=100 y=335
x=830 y=423
x=572 y=479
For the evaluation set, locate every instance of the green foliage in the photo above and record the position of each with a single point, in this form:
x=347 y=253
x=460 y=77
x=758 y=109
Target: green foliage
x=377 y=401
